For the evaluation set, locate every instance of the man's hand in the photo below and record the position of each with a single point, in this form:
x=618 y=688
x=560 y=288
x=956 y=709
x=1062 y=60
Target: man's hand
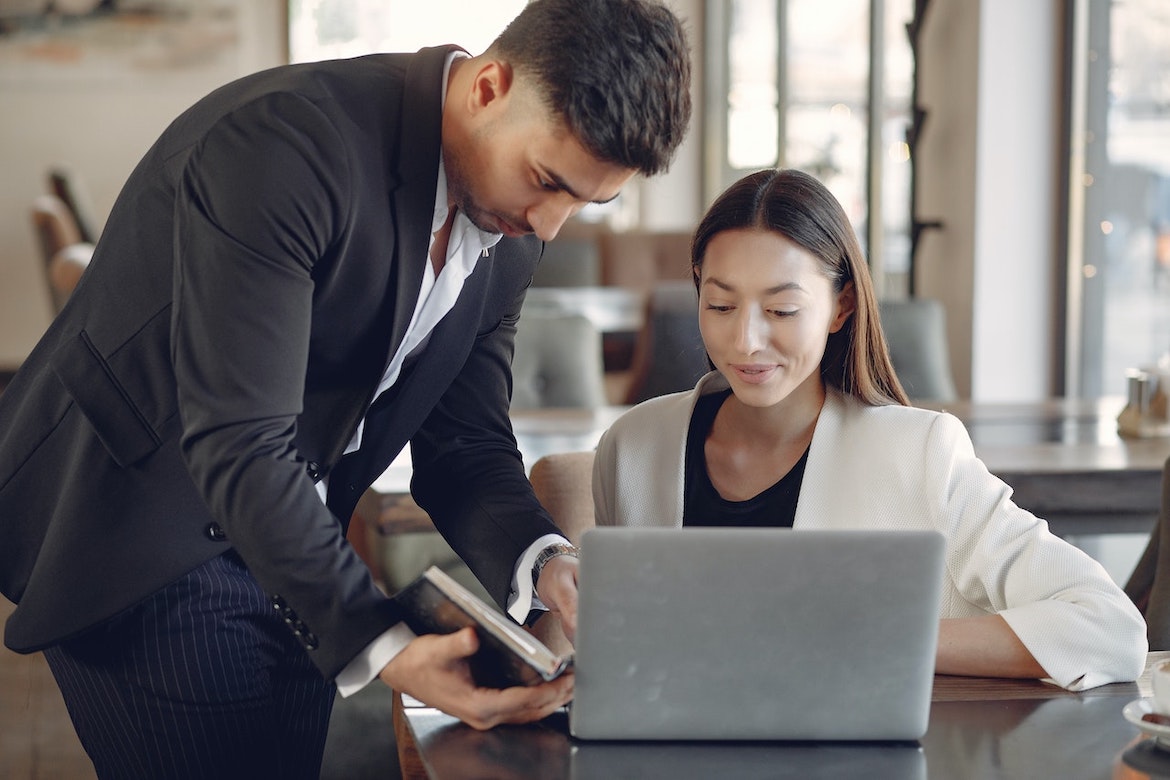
x=557 y=589
x=433 y=669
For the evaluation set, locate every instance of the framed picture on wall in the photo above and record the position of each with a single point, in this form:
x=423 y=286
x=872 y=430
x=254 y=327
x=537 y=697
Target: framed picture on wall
x=86 y=42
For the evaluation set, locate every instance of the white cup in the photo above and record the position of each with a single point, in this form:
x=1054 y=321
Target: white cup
x=1160 y=683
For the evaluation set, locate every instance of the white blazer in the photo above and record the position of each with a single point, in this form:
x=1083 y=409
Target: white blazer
x=900 y=467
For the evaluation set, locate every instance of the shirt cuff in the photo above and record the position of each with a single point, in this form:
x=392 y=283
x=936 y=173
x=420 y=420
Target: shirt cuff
x=522 y=598
x=367 y=664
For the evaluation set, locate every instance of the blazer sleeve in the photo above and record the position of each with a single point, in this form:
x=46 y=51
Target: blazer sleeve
x=1060 y=602
x=468 y=472
x=260 y=200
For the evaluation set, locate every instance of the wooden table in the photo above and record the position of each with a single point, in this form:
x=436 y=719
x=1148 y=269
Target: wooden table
x=1064 y=460
x=978 y=729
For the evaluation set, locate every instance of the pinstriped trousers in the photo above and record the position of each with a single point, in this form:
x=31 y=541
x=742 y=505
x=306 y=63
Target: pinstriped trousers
x=202 y=680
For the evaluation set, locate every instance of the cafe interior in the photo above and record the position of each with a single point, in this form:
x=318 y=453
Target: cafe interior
x=1005 y=164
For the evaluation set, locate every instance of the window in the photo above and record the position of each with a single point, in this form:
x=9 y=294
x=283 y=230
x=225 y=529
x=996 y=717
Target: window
x=326 y=29
x=809 y=84
x=1118 y=192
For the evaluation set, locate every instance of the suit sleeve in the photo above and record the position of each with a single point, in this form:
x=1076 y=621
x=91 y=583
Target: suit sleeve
x=468 y=473
x=1060 y=602
x=260 y=201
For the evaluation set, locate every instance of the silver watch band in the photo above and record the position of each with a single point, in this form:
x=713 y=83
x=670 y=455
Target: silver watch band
x=547 y=554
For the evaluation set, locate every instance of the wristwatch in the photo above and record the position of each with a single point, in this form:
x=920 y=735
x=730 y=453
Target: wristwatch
x=547 y=554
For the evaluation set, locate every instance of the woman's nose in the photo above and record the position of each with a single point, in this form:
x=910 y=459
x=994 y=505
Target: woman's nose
x=752 y=330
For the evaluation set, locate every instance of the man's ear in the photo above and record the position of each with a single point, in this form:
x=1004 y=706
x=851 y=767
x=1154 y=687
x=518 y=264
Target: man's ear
x=490 y=86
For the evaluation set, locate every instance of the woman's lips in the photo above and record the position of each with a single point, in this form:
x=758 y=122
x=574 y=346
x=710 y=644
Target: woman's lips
x=754 y=374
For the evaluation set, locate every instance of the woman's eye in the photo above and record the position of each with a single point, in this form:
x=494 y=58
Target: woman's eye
x=717 y=307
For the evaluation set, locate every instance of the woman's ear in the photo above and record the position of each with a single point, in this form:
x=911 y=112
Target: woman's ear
x=846 y=305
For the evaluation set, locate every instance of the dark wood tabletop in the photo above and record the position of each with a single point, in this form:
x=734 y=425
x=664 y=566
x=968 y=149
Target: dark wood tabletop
x=978 y=729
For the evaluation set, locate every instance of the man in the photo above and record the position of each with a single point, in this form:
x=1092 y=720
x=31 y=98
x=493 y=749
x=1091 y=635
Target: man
x=312 y=266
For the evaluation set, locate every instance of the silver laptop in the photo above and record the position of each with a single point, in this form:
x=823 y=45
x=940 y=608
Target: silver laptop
x=756 y=634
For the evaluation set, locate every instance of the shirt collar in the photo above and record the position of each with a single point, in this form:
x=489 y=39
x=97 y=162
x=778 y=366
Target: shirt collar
x=462 y=224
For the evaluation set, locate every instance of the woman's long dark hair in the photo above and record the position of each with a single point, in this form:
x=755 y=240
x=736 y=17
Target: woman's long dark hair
x=800 y=208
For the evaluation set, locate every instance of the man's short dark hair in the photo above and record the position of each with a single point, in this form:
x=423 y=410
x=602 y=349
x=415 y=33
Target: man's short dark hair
x=618 y=72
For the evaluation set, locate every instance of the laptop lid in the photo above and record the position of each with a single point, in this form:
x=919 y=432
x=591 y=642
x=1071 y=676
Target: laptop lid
x=756 y=633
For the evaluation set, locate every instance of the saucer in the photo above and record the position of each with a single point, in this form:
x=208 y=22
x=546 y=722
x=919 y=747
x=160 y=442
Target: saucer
x=1134 y=711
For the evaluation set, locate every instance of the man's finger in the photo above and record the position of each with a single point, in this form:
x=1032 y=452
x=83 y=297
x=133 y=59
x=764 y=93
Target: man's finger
x=519 y=704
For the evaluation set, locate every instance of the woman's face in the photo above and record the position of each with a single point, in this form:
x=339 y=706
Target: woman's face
x=765 y=312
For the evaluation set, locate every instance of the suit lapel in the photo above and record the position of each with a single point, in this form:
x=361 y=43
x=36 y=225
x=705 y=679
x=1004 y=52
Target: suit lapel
x=827 y=491
x=400 y=411
x=417 y=166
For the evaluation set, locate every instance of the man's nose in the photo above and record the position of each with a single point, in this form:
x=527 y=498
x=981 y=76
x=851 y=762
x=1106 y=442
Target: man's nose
x=547 y=217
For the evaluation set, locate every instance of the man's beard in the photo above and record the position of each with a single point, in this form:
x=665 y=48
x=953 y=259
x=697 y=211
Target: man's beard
x=458 y=190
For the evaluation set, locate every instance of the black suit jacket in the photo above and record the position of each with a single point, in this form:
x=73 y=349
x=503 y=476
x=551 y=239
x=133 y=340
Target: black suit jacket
x=254 y=277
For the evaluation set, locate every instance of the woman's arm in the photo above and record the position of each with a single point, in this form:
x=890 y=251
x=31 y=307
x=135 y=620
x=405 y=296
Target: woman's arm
x=1056 y=601
x=983 y=646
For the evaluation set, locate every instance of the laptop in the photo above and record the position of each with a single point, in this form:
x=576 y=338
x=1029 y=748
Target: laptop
x=755 y=634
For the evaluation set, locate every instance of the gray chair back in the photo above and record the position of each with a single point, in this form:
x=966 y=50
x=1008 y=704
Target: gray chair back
x=558 y=362
x=916 y=333
x=669 y=355
x=569 y=262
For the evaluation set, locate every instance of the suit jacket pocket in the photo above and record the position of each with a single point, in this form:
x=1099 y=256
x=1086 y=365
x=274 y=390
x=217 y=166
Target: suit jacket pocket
x=103 y=400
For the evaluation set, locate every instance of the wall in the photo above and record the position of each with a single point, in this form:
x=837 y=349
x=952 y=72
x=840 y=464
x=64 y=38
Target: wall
x=986 y=169
x=1016 y=184
x=101 y=126
x=990 y=82
x=99 y=121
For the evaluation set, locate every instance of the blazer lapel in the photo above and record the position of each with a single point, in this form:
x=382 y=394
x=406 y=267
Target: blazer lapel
x=828 y=487
x=400 y=411
x=417 y=166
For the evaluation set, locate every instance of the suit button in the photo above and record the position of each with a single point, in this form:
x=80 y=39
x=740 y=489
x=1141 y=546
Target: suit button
x=309 y=640
x=215 y=533
x=313 y=470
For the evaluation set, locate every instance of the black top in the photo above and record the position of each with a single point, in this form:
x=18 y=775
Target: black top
x=702 y=504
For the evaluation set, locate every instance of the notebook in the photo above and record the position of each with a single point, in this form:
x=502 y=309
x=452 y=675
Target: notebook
x=755 y=634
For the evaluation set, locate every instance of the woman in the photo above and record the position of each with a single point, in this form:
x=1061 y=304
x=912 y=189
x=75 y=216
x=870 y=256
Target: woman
x=803 y=423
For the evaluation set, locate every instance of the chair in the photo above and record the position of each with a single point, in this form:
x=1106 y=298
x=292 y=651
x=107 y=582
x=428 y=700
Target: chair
x=668 y=355
x=641 y=259
x=65 y=256
x=1148 y=585
x=569 y=262
x=916 y=334
x=67 y=186
x=558 y=362
x=563 y=484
